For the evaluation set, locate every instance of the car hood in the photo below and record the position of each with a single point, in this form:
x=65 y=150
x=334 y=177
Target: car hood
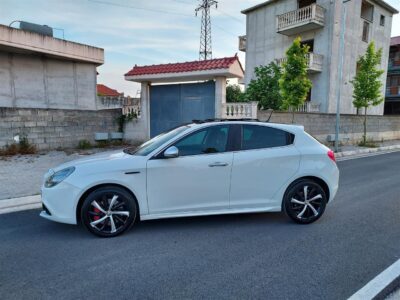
x=109 y=157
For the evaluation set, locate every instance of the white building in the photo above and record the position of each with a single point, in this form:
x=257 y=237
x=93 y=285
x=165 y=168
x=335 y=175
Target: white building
x=272 y=26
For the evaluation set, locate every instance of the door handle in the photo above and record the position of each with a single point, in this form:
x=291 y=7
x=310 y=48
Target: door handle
x=218 y=164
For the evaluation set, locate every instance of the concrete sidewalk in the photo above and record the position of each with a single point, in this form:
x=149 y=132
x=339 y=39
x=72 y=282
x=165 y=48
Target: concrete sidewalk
x=18 y=204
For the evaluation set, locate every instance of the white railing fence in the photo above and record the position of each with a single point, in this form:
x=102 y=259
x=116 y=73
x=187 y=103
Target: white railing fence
x=307 y=107
x=131 y=109
x=313 y=12
x=240 y=110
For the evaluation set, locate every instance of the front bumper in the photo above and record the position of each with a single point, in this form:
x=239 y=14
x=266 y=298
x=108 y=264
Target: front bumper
x=60 y=203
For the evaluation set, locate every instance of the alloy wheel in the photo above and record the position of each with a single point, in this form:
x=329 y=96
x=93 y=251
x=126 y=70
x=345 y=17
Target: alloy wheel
x=109 y=213
x=307 y=202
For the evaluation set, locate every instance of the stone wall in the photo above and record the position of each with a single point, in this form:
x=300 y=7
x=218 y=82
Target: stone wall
x=379 y=128
x=55 y=128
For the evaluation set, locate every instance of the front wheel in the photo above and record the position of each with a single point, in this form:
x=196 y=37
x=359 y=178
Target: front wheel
x=305 y=201
x=108 y=211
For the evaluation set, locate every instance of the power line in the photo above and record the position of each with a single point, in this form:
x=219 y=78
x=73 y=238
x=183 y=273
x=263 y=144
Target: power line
x=140 y=8
x=157 y=11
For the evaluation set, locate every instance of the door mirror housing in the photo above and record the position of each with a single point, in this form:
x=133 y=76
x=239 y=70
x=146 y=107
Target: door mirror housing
x=171 y=152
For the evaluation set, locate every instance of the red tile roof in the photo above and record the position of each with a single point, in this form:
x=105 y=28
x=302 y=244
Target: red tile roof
x=103 y=90
x=192 y=66
x=395 y=41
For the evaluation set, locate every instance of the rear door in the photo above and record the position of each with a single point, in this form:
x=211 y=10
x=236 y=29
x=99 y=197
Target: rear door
x=267 y=159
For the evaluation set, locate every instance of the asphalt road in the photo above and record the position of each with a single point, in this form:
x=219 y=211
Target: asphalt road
x=260 y=256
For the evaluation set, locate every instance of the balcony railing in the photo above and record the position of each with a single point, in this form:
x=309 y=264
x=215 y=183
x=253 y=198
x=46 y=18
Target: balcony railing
x=240 y=110
x=300 y=20
x=314 y=62
x=242 y=43
x=394 y=64
x=393 y=91
x=131 y=109
x=308 y=107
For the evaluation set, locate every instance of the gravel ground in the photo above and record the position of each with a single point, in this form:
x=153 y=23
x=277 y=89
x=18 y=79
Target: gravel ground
x=22 y=175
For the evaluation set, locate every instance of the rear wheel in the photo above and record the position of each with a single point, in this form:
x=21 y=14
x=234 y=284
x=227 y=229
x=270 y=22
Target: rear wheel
x=305 y=201
x=108 y=211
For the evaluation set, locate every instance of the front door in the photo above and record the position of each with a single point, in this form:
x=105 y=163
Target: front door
x=197 y=180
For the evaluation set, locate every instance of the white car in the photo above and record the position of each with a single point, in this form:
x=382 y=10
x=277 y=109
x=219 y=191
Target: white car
x=204 y=168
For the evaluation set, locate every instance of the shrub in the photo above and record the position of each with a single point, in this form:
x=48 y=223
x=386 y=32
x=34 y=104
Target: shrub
x=23 y=147
x=84 y=144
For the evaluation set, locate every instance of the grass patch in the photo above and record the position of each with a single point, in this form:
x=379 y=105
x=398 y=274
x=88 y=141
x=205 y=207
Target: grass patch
x=368 y=144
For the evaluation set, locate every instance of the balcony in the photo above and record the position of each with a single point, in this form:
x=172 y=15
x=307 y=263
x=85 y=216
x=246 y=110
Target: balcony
x=240 y=110
x=393 y=65
x=314 y=62
x=300 y=20
x=242 y=43
x=392 y=91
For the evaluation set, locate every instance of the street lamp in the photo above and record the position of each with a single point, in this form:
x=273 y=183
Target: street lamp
x=340 y=71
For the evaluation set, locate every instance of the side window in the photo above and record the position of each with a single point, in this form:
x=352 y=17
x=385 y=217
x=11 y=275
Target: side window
x=213 y=139
x=259 y=137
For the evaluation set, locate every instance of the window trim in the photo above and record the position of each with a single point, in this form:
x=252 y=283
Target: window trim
x=229 y=145
x=267 y=148
x=382 y=18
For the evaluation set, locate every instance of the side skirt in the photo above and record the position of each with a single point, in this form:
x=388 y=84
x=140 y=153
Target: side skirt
x=209 y=213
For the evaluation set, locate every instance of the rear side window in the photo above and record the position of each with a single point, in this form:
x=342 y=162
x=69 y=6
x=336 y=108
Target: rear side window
x=260 y=137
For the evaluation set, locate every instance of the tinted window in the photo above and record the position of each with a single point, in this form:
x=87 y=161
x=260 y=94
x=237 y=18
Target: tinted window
x=258 y=137
x=210 y=140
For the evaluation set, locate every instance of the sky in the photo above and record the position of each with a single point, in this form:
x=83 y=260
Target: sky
x=140 y=32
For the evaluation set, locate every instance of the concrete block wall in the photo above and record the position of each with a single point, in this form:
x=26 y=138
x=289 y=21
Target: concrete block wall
x=55 y=128
x=379 y=128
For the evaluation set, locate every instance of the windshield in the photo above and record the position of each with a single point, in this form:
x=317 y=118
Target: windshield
x=155 y=142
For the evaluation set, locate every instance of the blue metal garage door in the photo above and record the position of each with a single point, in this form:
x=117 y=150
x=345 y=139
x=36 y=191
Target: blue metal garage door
x=173 y=105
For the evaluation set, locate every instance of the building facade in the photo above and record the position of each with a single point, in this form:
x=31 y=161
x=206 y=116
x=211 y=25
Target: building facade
x=392 y=97
x=48 y=90
x=39 y=71
x=272 y=26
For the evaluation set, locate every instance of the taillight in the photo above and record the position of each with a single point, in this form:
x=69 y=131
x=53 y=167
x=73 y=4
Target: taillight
x=331 y=155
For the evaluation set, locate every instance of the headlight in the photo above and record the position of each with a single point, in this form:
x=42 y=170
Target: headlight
x=57 y=177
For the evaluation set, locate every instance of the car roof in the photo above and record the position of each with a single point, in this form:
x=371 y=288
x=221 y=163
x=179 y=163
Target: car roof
x=288 y=127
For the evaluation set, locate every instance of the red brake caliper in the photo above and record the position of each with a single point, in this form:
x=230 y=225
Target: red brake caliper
x=96 y=211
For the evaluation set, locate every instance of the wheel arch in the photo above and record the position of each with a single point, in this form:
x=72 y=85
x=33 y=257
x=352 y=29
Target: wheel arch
x=93 y=188
x=318 y=180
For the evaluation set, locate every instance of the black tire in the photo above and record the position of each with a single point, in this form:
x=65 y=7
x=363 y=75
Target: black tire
x=301 y=209
x=103 y=220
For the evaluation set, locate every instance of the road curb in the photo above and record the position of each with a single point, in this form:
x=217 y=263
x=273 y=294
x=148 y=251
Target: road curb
x=18 y=204
x=381 y=286
x=367 y=151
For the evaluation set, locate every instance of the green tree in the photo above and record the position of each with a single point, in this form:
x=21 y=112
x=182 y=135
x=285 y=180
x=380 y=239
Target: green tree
x=294 y=83
x=234 y=93
x=265 y=88
x=367 y=84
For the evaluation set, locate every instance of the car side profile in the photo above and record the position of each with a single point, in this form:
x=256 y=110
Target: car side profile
x=203 y=168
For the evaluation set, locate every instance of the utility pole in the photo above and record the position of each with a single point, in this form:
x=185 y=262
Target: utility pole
x=340 y=71
x=205 y=35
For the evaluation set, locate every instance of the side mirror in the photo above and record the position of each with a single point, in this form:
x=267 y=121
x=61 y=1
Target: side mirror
x=171 y=152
